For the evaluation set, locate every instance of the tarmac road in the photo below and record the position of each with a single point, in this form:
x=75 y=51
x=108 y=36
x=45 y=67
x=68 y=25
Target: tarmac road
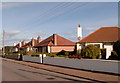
x=17 y=72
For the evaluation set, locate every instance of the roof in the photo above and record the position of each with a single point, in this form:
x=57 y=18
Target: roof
x=26 y=44
x=104 y=34
x=17 y=46
x=30 y=43
x=60 y=41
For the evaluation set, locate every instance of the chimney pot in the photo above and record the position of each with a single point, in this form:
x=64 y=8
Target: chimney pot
x=55 y=39
x=20 y=44
x=14 y=44
x=38 y=39
x=24 y=42
x=33 y=42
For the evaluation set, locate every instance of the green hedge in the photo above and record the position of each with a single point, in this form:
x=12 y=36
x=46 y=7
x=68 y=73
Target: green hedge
x=116 y=47
x=90 y=51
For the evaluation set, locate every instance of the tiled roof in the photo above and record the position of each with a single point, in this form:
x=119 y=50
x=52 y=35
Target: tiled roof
x=30 y=43
x=17 y=46
x=104 y=34
x=59 y=41
x=26 y=44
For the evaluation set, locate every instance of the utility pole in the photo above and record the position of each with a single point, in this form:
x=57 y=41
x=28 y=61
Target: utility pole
x=3 y=43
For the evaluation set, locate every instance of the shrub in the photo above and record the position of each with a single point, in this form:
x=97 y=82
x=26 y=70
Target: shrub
x=113 y=56
x=73 y=56
x=103 y=53
x=90 y=51
x=66 y=53
x=78 y=53
x=116 y=47
x=61 y=55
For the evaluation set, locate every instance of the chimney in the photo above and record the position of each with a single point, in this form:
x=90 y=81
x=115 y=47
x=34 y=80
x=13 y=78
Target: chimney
x=55 y=39
x=33 y=43
x=24 y=42
x=38 y=39
x=79 y=32
x=20 y=44
x=14 y=44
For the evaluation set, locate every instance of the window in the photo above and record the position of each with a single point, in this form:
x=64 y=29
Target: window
x=97 y=45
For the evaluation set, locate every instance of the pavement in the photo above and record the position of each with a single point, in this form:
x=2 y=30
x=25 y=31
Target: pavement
x=28 y=71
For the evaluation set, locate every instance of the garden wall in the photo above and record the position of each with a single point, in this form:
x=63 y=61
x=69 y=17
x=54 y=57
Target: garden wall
x=16 y=57
x=108 y=66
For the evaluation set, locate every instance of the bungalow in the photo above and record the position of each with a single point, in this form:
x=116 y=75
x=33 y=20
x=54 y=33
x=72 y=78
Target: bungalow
x=27 y=47
x=18 y=46
x=104 y=37
x=55 y=43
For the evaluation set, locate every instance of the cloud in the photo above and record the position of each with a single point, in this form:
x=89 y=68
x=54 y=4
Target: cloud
x=10 y=41
x=73 y=38
x=12 y=4
x=88 y=29
x=69 y=33
x=9 y=5
x=17 y=39
x=40 y=33
x=12 y=33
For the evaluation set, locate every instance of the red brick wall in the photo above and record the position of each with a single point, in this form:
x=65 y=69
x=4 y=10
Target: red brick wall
x=59 y=48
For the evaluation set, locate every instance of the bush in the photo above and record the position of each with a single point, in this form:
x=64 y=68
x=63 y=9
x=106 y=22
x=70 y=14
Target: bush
x=61 y=55
x=114 y=56
x=73 y=56
x=78 y=53
x=90 y=51
x=103 y=53
x=66 y=53
x=116 y=47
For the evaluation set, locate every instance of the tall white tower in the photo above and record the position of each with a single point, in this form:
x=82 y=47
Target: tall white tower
x=79 y=32
x=14 y=44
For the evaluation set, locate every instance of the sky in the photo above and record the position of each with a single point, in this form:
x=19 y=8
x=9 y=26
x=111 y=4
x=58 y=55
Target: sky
x=24 y=20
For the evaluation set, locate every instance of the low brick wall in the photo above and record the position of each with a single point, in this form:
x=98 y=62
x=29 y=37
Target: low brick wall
x=16 y=57
x=86 y=64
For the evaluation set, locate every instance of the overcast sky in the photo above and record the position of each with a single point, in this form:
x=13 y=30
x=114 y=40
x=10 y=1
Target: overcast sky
x=24 y=20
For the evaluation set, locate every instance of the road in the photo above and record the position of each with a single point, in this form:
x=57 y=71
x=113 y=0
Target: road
x=12 y=71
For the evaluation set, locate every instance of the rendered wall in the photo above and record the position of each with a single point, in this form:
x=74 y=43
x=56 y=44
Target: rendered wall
x=108 y=66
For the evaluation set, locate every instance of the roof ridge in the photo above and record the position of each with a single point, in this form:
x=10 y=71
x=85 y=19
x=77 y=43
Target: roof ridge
x=90 y=34
x=99 y=31
x=66 y=39
x=110 y=27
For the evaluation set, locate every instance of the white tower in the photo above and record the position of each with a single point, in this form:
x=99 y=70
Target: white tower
x=79 y=32
x=14 y=44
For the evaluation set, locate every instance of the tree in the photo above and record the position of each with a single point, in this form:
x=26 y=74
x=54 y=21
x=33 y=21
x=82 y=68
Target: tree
x=116 y=47
x=7 y=49
x=90 y=51
x=114 y=56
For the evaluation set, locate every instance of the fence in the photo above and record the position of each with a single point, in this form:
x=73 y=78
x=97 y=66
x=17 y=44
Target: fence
x=86 y=64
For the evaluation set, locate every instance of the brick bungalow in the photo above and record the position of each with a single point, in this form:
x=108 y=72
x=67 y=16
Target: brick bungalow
x=27 y=47
x=104 y=37
x=55 y=43
x=17 y=47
